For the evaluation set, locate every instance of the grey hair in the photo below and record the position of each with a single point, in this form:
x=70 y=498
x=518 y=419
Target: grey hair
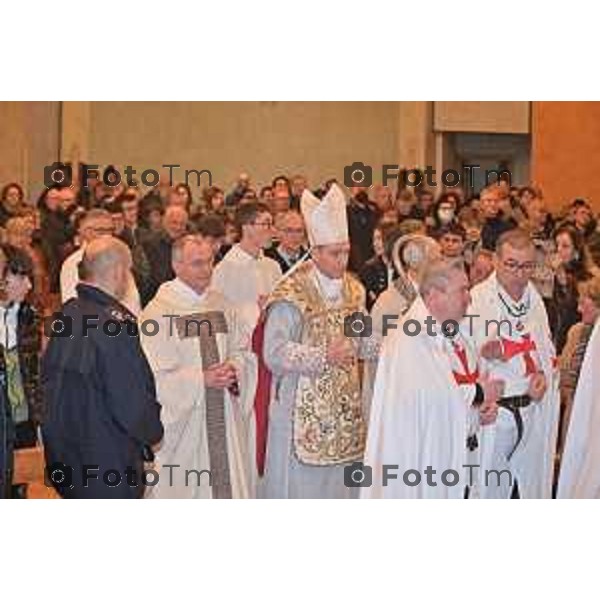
x=437 y=274
x=180 y=243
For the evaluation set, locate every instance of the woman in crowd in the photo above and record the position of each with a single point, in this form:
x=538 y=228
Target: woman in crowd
x=574 y=350
x=378 y=271
x=443 y=214
x=184 y=193
x=213 y=200
x=151 y=214
x=470 y=220
x=572 y=266
x=19 y=234
x=11 y=202
x=56 y=234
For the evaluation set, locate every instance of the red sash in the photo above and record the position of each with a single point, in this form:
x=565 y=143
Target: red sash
x=262 y=399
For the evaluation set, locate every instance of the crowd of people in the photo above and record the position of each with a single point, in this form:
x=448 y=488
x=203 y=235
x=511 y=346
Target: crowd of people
x=279 y=399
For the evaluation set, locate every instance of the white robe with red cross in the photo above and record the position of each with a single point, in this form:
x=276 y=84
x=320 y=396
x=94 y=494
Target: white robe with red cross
x=422 y=415
x=527 y=347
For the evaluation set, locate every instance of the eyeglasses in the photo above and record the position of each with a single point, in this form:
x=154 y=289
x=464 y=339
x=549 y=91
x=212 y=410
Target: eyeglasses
x=266 y=224
x=291 y=230
x=514 y=267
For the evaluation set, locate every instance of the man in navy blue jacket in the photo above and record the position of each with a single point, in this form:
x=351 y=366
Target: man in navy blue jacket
x=102 y=417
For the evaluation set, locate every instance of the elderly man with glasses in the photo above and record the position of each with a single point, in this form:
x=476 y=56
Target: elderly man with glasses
x=292 y=236
x=94 y=224
x=509 y=326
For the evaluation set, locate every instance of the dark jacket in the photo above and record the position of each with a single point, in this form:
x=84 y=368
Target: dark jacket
x=362 y=219
x=493 y=228
x=142 y=271
x=157 y=247
x=283 y=263
x=101 y=407
x=56 y=243
x=7 y=438
x=374 y=276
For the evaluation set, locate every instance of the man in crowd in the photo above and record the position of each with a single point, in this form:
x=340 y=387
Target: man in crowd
x=102 y=417
x=429 y=399
x=511 y=333
x=157 y=246
x=291 y=235
x=94 y=224
x=298 y=184
x=451 y=238
x=134 y=237
x=246 y=276
x=495 y=222
x=316 y=424
x=362 y=218
x=205 y=377
x=241 y=187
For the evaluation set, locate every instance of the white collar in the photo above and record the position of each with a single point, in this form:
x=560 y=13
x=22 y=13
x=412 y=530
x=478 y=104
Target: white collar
x=185 y=291
x=330 y=288
x=245 y=256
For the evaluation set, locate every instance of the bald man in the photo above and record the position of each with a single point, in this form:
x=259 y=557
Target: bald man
x=102 y=417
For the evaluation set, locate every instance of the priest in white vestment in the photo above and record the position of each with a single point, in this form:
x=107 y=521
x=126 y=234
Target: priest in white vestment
x=316 y=423
x=580 y=467
x=205 y=377
x=512 y=335
x=430 y=401
x=246 y=276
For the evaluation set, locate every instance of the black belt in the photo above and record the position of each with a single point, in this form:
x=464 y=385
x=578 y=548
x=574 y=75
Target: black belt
x=513 y=404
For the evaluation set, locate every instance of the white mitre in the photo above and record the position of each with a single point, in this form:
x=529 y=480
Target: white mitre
x=326 y=220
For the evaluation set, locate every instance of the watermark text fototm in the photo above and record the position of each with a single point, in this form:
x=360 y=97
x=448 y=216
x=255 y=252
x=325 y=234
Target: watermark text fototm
x=60 y=475
x=359 y=324
x=360 y=175
x=59 y=325
x=358 y=474
x=61 y=174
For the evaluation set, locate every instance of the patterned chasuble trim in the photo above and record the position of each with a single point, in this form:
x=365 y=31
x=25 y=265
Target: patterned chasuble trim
x=328 y=421
x=195 y=325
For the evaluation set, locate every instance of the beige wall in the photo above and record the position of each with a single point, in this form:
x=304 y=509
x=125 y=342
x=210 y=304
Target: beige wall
x=482 y=117
x=28 y=142
x=264 y=138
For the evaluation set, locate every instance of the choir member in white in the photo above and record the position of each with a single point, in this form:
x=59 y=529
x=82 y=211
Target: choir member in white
x=246 y=276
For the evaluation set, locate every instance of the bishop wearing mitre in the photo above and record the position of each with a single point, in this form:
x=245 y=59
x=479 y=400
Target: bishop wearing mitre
x=316 y=419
